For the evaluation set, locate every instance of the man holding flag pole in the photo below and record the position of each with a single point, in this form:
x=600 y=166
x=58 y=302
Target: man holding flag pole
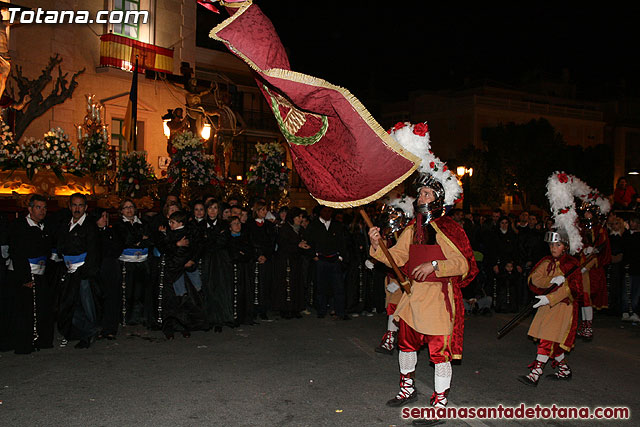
x=337 y=148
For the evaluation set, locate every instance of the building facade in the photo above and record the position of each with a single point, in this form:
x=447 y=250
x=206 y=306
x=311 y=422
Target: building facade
x=165 y=44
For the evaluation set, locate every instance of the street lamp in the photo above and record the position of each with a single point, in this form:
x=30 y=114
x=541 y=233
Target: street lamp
x=165 y=128
x=206 y=131
x=165 y=123
x=461 y=170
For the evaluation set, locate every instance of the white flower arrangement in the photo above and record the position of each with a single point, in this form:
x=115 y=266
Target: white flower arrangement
x=186 y=140
x=96 y=153
x=562 y=189
x=269 y=175
x=188 y=154
x=7 y=141
x=134 y=173
x=54 y=153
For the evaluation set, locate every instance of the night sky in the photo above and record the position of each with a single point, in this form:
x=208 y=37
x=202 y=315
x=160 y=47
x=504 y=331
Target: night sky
x=382 y=52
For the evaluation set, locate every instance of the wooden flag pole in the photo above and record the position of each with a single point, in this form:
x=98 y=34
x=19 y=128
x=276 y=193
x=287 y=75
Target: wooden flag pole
x=405 y=282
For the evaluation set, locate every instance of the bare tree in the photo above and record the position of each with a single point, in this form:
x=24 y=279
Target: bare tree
x=30 y=102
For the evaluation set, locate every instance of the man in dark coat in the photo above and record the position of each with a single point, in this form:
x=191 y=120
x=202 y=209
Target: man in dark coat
x=328 y=241
x=78 y=244
x=29 y=248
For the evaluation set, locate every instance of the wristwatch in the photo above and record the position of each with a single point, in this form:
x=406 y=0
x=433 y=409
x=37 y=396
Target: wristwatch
x=435 y=265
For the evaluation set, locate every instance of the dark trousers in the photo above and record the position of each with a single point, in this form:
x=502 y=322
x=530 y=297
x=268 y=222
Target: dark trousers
x=329 y=283
x=84 y=315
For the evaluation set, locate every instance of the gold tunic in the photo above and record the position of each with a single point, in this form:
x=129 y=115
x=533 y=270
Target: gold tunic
x=425 y=309
x=552 y=322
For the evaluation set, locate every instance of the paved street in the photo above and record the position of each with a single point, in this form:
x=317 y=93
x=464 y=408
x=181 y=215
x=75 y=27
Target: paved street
x=308 y=372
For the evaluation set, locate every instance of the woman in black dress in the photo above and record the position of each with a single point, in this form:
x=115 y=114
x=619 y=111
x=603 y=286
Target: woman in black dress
x=288 y=296
x=109 y=278
x=216 y=270
x=262 y=237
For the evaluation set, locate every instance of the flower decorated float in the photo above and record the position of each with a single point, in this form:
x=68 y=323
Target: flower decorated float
x=269 y=176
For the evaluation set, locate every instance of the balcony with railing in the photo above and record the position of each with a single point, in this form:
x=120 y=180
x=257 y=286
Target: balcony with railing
x=120 y=52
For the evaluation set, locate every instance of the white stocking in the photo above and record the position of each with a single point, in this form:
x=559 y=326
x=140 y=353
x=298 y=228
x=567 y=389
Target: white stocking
x=560 y=358
x=442 y=380
x=587 y=313
x=407 y=361
x=542 y=358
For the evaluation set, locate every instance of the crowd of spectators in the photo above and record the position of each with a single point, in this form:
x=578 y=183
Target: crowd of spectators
x=220 y=264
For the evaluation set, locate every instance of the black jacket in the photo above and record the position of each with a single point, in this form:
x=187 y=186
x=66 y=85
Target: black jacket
x=83 y=238
x=25 y=242
x=327 y=243
x=263 y=238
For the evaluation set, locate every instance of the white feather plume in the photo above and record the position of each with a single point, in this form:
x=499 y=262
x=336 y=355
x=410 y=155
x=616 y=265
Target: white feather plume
x=421 y=147
x=562 y=188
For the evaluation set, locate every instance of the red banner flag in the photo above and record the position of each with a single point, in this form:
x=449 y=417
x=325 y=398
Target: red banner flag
x=341 y=153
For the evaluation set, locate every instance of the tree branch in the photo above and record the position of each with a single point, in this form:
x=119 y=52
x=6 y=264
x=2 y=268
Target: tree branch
x=37 y=106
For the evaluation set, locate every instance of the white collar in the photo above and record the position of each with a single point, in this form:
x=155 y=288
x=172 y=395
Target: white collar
x=326 y=223
x=179 y=228
x=32 y=223
x=199 y=219
x=80 y=221
x=259 y=220
x=135 y=220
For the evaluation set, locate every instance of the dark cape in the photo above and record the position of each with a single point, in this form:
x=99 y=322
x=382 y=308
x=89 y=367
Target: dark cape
x=262 y=238
x=217 y=281
x=184 y=312
x=240 y=251
x=26 y=242
x=288 y=289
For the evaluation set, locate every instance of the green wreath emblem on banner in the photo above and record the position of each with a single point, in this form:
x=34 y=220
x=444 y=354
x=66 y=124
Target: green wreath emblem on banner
x=294 y=121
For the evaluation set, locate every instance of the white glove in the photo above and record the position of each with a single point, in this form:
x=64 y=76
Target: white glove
x=588 y=250
x=558 y=280
x=392 y=287
x=542 y=300
x=368 y=264
x=583 y=270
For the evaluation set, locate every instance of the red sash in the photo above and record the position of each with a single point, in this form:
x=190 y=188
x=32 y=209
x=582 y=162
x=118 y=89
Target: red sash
x=419 y=254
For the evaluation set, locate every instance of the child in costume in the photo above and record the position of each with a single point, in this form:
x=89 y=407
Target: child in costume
x=557 y=283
